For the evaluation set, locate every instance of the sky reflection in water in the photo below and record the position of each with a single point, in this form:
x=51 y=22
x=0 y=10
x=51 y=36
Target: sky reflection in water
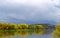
x=27 y=34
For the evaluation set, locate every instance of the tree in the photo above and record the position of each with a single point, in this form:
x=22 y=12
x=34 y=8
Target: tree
x=22 y=26
x=56 y=32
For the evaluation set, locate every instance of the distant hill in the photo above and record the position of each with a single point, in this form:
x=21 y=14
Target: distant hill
x=19 y=21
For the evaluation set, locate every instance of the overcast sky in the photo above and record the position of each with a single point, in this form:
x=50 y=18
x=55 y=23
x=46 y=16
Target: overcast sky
x=30 y=10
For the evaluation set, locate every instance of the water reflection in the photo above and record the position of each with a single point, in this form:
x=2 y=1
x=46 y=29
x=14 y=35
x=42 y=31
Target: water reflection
x=24 y=33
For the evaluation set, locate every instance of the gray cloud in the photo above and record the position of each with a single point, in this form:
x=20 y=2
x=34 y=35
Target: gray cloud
x=33 y=11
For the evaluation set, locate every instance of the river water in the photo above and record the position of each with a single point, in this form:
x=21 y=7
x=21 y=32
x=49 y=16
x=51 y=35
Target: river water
x=28 y=34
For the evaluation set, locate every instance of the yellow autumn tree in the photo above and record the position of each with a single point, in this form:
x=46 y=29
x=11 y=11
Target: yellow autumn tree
x=38 y=26
x=56 y=32
x=22 y=26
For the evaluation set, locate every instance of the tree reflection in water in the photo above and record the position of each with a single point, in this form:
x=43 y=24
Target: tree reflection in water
x=24 y=33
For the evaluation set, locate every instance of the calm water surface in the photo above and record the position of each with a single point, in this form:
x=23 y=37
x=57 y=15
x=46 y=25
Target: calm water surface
x=28 y=34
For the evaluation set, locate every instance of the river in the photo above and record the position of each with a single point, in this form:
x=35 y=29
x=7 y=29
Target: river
x=47 y=33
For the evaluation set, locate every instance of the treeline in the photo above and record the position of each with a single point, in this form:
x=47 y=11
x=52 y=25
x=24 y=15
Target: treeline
x=9 y=26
